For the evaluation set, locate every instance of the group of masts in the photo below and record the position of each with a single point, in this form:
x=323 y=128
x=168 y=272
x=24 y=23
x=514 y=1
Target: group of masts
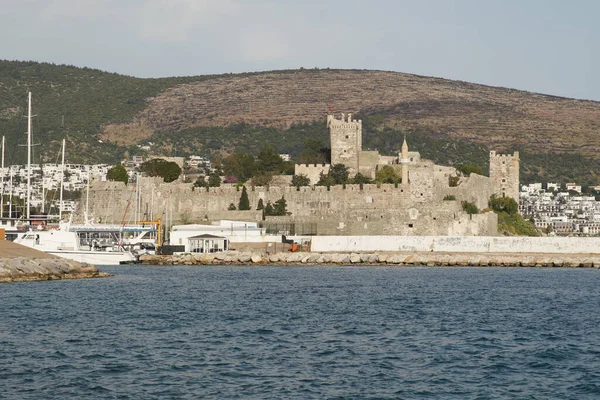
x=29 y=146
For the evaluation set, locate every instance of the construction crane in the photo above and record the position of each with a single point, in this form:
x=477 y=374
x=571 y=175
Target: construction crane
x=158 y=229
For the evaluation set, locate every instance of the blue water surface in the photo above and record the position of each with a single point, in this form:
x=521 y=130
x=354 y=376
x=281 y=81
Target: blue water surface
x=304 y=333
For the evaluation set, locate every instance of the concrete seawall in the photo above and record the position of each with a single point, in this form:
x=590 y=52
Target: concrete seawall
x=21 y=264
x=396 y=258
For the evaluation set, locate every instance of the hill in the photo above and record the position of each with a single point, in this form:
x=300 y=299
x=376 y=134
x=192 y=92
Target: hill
x=107 y=115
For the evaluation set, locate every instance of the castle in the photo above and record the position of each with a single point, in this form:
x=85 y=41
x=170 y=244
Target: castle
x=346 y=148
x=427 y=202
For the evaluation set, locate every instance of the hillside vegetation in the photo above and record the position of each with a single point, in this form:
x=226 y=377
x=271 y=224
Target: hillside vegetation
x=105 y=116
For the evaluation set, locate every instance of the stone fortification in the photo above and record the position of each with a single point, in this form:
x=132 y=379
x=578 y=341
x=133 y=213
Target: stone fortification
x=346 y=141
x=415 y=209
x=504 y=174
x=312 y=171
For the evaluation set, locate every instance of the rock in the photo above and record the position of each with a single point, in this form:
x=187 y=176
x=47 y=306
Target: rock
x=355 y=258
x=273 y=258
x=256 y=258
x=245 y=257
x=314 y=258
x=294 y=258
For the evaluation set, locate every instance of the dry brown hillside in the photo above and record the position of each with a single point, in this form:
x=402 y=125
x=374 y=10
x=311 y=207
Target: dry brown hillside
x=492 y=116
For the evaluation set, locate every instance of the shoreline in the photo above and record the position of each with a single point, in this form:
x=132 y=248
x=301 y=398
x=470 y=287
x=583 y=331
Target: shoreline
x=23 y=264
x=582 y=260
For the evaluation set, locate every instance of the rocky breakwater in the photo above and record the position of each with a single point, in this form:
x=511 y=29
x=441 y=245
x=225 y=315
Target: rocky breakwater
x=396 y=259
x=22 y=264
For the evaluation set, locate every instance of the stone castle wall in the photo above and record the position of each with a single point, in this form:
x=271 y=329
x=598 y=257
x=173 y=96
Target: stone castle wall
x=414 y=209
x=312 y=171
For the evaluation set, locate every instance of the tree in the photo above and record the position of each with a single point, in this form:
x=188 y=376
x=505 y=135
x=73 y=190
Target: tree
x=469 y=208
x=268 y=209
x=503 y=204
x=387 y=174
x=468 y=169
x=268 y=159
x=201 y=181
x=280 y=207
x=339 y=173
x=168 y=170
x=214 y=180
x=244 y=203
x=261 y=204
x=360 y=179
x=300 y=180
x=325 y=180
x=314 y=152
x=117 y=173
x=240 y=164
x=263 y=179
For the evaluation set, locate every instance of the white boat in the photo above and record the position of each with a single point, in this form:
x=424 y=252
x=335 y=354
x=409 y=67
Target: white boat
x=93 y=248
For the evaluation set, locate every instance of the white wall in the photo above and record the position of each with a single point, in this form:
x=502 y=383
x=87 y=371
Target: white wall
x=458 y=244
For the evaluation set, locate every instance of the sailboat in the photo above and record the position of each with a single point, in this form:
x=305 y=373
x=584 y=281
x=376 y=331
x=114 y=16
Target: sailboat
x=92 y=247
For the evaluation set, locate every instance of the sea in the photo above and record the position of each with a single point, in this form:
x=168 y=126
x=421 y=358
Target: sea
x=247 y=332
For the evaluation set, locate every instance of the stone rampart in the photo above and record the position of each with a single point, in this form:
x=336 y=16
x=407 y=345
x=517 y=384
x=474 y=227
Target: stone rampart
x=339 y=210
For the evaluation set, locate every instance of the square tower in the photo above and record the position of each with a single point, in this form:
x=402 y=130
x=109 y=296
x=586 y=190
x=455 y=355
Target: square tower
x=504 y=174
x=346 y=141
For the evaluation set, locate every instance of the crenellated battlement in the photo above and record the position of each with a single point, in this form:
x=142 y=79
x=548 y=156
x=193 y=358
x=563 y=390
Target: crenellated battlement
x=346 y=122
x=515 y=155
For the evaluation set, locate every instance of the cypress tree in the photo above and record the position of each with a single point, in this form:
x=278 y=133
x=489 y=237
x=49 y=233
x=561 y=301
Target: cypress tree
x=244 y=203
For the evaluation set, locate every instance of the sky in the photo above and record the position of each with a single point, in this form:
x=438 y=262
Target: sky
x=545 y=46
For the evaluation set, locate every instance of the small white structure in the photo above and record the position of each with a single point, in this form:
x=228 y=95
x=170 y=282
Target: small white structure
x=207 y=243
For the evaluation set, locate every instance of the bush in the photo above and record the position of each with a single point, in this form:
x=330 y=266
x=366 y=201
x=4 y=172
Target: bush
x=468 y=169
x=168 y=170
x=503 y=204
x=231 y=207
x=469 y=208
x=117 y=173
x=361 y=179
x=449 y=197
x=387 y=174
x=300 y=180
x=453 y=181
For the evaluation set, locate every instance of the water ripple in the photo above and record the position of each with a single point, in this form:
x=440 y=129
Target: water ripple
x=304 y=333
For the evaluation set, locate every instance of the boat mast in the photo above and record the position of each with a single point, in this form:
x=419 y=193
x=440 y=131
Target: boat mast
x=3 y=176
x=29 y=159
x=62 y=180
x=87 y=199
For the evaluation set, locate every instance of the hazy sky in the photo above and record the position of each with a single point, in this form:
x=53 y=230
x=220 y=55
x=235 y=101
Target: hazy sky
x=547 y=46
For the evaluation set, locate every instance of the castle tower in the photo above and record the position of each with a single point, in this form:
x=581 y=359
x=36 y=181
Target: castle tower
x=504 y=174
x=404 y=161
x=346 y=141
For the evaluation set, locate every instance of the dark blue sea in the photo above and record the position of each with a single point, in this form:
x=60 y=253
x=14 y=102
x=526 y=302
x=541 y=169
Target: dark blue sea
x=304 y=333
